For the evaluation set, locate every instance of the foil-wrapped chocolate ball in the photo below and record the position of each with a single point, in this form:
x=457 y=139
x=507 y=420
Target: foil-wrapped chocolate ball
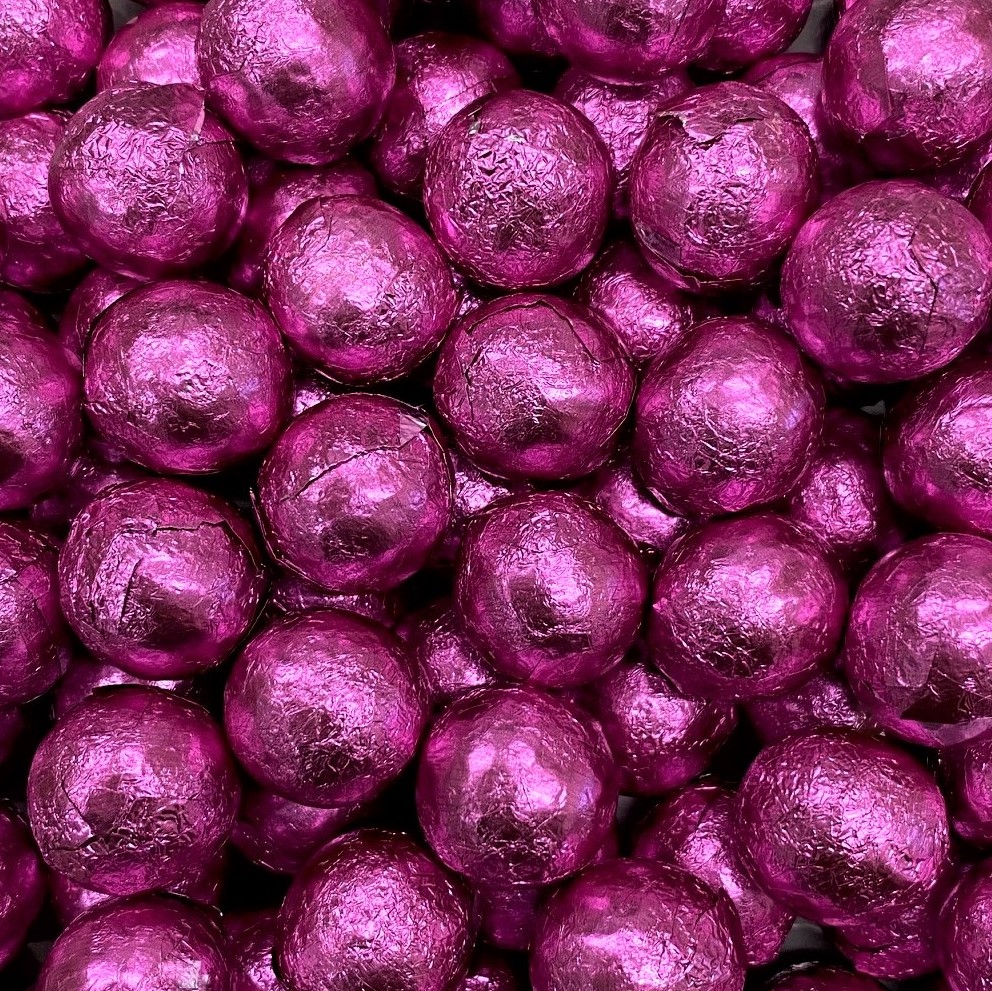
x=437 y=74
x=843 y=829
x=748 y=30
x=967 y=775
x=289 y=594
x=965 y=946
x=374 y=910
x=723 y=181
x=323 y=708
x=358 y=288
x=152 y=942
x=132 y=790
x=728 y=421
x=160 y=578
x=980 y=199
x=302 y=80
x=919 y=640
x=187 y=377
x=637 y=924
x=22 y=884
x=910 y=81
x=550 y=589
x=355 y=493
x=489 y=973
x=516 y=787
x=514 y=26
x=49 y=47
x=696 y=830
x=744 y=608
x=533 y=386
x=310 y=389
x=251 y=940
x=93 y=294
x=887 y=282
x=517 y=190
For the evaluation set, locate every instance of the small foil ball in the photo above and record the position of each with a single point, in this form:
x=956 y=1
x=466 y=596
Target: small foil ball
x=134 y=789
x=355 y=493
x=94 y=293
x=748 y=30
x=910 y=81
x=516 y=787
x=151 y=942
x=323 y=708
x=310 y=388
x=22 y=884
x=187 y=377
x=696 y=830
x=437 y=74
x=842 y=829
x=49 y=47
x=965 y=946
x=130 y=140
x=728 y=421
x=918 y=651
x=158 y=46
x=513 y=26
x=887 y=282
x=373 y=910
x=533 y=386
x=967 y=777
x=517 y=190
x=638 y=924
x=358 y=288
x=160 y=578
x=302 y=80
x=251 y=938
x=550 y=589
x=723 y=181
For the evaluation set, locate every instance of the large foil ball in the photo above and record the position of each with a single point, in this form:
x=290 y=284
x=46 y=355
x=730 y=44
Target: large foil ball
x=437 y=75
x=160 y=578
x=910 y=81
x=517 y=190
x=550 y=589
x=728 y=421
x=355 y=494
x=965 y=948
x=696 y=829
x=323 y=708
x=533 y=386
x=637 y=925
x=128 y=141
x=132 y=790
x=967 y=775
x=721 y=184
x=744 y=608
x=22 y=884
x=93 y=294
x=513 y=25
x=187 y=377
x=748 y=30
x=918 y=651
x=49 y=47
x=843 y=829
x=302 y=80
x=887 y=282
x=515 y=788
x=358 y=288
x=373 y=910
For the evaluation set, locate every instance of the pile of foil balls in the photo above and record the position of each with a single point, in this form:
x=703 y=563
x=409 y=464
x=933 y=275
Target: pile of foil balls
x=495 y=495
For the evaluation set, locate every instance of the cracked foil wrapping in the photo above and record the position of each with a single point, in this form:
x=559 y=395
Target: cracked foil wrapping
x=966 y=773
x=251 y=936
x=93 y=294
x=513 y=26
x=965 y=948
x=22 y=884
x=748 y=30
x=134 y=789
x=355 y=494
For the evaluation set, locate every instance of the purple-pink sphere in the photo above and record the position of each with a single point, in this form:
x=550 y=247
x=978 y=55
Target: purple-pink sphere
x=489 y=973
x=289 y=594
x=748 y=30
x=22 y=884
x=94 y=293
x=251 y=940
x=513 y=25
x=965 y=947
x=967 y=776
x=980 y=199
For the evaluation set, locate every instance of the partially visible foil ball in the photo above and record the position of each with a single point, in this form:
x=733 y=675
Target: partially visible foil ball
x=962 y=178
x=374 y=910
x=310 y=389
x=515 y=788
x=93 y=294
x=508 y=915
x=355 y=494
x=489 y=973
x=887 y=282
x=160 y=578
x=980 y=200
x=822 y=978
x=84 y=676
x=302 y=80
x=513 y=25
x=130 y=140
x=748 y=30
x=965 y=948
x=358 y=288
x=729 y=421
x=22 y=884
x=517 y=190
x=132 y=790
x=533 y=386
x=289 y=594
x=251 y=939
x=967 y=775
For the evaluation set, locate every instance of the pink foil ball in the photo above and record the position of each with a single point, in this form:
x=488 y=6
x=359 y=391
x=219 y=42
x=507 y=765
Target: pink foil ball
x=489 y=973
x=888 y=282
x=513 y=26
x=355 y=493
x=517 y=190
x=967 y=776
x=358 y=288
x=965 y=947
x=160 y=579
x=22 y=884
x=515 y=788
x=533 y=386
x=980 y=199
x=748 y=30
x=93 y=294
x=310 y=388
x=373 y=910
x=134 y=789
x=290 y=594
x=302 y=80
x=128 y=141
x=251 y=939
x=728 y=421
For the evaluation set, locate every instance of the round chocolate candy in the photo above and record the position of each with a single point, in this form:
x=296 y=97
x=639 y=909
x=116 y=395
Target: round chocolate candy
x=310 y=388
x=980 y=199
x=94 y=293
x=967 y=774
x=513 y=25
x=489 y=973
x=251 y=939
x=290 y=594
x=747 y=31
x=22 y=883
x=965 y=947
